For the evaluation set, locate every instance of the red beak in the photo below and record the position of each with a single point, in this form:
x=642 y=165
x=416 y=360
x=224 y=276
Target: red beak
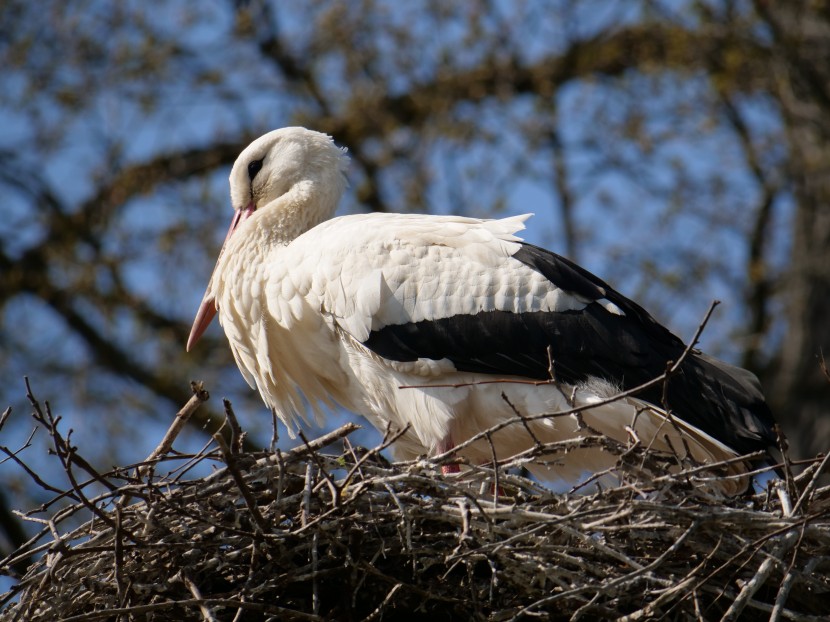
x=208 y=308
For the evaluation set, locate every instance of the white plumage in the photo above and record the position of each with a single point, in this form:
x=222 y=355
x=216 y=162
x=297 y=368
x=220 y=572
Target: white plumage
x=349 y=310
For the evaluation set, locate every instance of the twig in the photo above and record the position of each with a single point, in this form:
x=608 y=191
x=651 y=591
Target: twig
x=521 y=416
x=207 y=614
x=118 y=545
x=764 y=570
x=306 y=504
x=335 y=490
x=237 y=436
x=379 y=609
x=388 y=440
x=260 y=524
x=323 y=441
x=275 y=435
x=5 y=416
x=315 y=579
x=496 y=474
x=31 y=473
x=785 y=587
x=200 y=395
x=63 y=449
x=811 y=486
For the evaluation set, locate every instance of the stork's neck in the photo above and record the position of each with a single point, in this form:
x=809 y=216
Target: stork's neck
x=282 y=220
x=270 y=228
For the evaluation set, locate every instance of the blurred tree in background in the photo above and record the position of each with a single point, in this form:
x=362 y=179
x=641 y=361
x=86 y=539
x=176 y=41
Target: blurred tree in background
x=680 y=150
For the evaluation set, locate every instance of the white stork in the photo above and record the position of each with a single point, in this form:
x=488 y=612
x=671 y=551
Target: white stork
x=349 y=310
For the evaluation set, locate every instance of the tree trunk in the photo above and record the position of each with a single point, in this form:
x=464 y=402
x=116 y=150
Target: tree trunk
x=799 y=386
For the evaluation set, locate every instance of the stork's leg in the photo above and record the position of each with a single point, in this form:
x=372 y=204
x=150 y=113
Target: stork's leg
x=444 y=446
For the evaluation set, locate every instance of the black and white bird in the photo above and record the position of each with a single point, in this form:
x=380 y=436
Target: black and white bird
x=347 y=311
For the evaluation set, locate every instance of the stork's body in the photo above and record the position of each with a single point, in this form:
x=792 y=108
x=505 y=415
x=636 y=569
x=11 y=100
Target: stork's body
x=350 y=310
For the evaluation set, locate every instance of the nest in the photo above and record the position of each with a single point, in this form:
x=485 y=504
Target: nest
x=331 y=532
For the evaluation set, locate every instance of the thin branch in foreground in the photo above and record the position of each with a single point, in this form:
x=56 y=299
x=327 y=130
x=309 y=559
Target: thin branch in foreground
x=62 y=447
x=233 y=467
x=200 y=395
x=811 y=486
x=237 y=436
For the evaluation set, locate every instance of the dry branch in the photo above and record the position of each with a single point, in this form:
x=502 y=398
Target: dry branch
x=317 y=534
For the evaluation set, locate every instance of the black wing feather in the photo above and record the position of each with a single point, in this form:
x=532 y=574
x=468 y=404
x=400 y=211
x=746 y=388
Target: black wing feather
x=627 y=350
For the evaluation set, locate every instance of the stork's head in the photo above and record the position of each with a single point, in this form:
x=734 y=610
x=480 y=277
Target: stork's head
x=294 y=171
x=291 y=159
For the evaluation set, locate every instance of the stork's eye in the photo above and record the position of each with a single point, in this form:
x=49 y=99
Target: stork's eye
x=254 y=168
